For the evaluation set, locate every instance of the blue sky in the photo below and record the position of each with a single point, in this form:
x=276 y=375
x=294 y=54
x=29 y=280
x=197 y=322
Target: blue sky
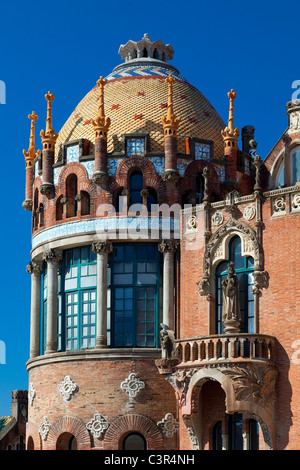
x=64 y=47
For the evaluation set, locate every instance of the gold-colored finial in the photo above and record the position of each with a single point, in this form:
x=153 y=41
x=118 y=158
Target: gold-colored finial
x=101 y=123
x=170 y=122
x=49 y=135
x=31 y=154
x=230 y=133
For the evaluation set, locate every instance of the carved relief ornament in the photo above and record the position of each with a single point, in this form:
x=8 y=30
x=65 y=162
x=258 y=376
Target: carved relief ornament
x=217 y=245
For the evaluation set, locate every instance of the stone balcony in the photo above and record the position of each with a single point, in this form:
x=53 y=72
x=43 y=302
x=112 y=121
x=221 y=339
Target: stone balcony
x=220 y=350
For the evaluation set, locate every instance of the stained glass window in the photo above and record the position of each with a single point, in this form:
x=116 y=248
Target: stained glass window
x=135 y=146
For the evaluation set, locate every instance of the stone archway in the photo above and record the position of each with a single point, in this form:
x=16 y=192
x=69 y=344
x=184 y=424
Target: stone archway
x=126 y=424
x=248 y=389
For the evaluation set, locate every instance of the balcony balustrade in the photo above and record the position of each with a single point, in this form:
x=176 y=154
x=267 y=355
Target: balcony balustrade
x=225 y=348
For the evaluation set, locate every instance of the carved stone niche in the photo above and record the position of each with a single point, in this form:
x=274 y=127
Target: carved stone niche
x=217 y=250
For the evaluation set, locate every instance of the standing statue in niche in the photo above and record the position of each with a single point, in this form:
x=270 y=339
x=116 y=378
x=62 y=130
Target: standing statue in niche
x=231 y=305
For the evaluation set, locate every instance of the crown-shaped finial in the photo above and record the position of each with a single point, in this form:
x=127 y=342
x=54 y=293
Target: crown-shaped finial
x=101 y=123
x=31 y=154
x=170 y=122
x=49 y=134
x=231 y=133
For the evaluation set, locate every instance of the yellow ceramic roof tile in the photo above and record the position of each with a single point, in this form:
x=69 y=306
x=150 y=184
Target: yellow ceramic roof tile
x=135 y=100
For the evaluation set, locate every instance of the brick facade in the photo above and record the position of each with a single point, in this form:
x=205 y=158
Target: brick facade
x=205 y=377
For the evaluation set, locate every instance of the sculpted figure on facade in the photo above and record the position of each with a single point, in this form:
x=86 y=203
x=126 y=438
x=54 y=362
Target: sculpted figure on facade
x=231 y=305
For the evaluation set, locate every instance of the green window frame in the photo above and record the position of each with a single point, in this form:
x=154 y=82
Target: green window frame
x=244 y=267
x=77 y=299
x=135 y=300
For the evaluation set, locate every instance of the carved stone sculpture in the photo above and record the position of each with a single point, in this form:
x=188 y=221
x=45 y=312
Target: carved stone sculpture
x=167 y=342
x=231 y=305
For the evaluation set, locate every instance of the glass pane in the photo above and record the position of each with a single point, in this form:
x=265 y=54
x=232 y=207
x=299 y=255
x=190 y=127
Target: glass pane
x=295 y=165
x=88 y=281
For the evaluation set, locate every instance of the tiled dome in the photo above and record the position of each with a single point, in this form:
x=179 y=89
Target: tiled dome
x=135 y=99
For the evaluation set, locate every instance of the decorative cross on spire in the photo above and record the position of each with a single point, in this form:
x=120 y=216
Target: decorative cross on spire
x=50 y=133
x=101 y=123
x=170 y=122
x=30 y=155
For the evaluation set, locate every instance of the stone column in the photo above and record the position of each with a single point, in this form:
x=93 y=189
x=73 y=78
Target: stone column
x=53 y=258
x=168 y=249
x=35 y=269
x=102 y=249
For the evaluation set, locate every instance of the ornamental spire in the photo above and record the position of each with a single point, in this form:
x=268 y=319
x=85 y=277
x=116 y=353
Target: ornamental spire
x=31 y=154
x=170 y=122
x=230 y=133
x=101 y=123
x=50 y=133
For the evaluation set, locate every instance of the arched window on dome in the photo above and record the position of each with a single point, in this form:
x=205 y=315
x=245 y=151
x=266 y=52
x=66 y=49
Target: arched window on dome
x=244 y=267
x=71 y=193
x=84 y=203
x=35 y=214
x=135 y=187
x=41 y=215
x=151 y=200
x=199 y=187
x=59 y=208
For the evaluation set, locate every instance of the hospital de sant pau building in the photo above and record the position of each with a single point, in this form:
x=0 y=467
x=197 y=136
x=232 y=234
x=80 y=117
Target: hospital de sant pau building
x=164 y=269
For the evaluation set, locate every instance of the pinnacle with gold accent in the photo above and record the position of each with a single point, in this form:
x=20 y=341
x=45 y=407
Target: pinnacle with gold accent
x=30 y=155
x=231 y=133
x=49 y=135
x=170 y=122
x=101 y=123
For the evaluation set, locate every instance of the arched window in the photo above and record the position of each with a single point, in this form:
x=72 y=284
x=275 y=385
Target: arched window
x=295 y=164
x=135 y=187
x=134 y=441
x=71 y=193
x=199 y=187
x=35 y=213
x=85 y=203
x=287 y=171
x=244 y=269
x=151 y=200
x=59 y=208
x=279 y=181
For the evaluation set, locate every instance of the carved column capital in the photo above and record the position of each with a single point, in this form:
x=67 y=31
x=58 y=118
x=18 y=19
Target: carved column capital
x=34 y=268
x=54 y=256
x=168 y=246
x=104 y=246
